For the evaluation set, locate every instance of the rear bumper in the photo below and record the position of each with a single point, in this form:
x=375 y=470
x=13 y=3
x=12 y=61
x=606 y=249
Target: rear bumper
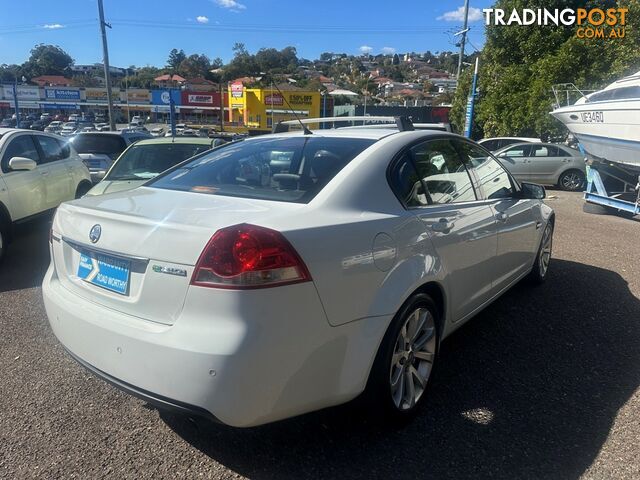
x=244 y=358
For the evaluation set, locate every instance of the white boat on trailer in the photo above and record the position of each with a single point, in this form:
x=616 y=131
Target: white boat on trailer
x=606 y=124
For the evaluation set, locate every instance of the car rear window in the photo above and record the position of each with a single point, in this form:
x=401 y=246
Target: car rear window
x=290 y=169
x=106 y=144
x=142 y=162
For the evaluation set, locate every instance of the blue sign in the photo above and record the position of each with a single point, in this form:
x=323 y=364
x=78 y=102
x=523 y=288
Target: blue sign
x=62 y=93
x=165 y=95
x=60 y=106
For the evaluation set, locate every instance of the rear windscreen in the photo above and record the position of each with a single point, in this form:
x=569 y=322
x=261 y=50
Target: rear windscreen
x=105 y=144
x=290 y=169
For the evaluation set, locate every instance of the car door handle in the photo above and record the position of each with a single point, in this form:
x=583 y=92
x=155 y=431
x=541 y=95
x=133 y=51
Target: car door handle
x=442 y=226
x=503 y=217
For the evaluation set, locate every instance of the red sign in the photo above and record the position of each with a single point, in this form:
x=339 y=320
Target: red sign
x=201 y=99
x=274 y=99
x=237 y=90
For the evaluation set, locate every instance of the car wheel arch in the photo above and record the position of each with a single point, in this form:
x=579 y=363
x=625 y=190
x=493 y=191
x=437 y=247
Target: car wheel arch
x=83 y=187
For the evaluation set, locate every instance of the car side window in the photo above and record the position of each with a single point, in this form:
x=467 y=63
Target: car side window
x=492 y=177
x=540 y=151
x=442 y=171
x=21 y=146
x=52 y=149
x=519 y=151
x=407 y=185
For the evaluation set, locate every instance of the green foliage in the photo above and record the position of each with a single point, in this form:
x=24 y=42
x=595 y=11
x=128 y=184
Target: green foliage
x=520 y=64
x=46 y=60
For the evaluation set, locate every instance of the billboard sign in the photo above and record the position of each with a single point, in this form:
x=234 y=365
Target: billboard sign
x=135 y=96
x=62 y=94
x=164 y=96
x=201 y=99
x=24 y=93
x=274 y=99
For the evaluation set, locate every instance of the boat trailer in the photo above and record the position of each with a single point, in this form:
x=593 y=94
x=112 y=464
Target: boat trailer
x=612 y=185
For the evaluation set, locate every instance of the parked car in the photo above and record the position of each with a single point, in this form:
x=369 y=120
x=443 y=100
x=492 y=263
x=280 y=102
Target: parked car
x=157 y=132
x=136 y=120
x=75 y=117
x=39 y=125
x=249 y=294
x=25 y=124
x=146 y=159
x=103 y=127
x=38 y=171
x=545 y=163
x=68 y=129
x=54 y=127
x=8 y=123
x=497 y=143
x=98 y=150
x=46 y=116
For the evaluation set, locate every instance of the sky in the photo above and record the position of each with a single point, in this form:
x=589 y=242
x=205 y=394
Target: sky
x=144 y=31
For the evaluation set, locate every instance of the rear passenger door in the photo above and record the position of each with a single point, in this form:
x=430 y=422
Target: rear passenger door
x=515 y=218
x=58 y=178
x=26 y=188
x=462 y=228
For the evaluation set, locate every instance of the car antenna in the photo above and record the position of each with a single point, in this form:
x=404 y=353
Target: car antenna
x=304 y=127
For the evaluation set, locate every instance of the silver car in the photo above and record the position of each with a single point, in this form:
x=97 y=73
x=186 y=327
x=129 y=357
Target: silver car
x=545 y=163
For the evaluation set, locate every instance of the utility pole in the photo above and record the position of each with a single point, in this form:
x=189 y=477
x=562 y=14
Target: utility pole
x=463 y=40
x=107 y=72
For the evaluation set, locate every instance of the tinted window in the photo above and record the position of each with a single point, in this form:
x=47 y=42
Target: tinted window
x=142 y=162
x=21 y=146
x=622 y=93
x=492 y=177
x=304 y=165
x=52 y=148
x=443 y=172
x=406 y=183
x=111 y=145
x=491 y=145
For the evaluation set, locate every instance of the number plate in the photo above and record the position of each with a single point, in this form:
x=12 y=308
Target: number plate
x=592 y=117
x=105 y=271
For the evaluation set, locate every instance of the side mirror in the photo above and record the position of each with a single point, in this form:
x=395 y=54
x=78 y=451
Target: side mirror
x=22 y=163
x=533 y=191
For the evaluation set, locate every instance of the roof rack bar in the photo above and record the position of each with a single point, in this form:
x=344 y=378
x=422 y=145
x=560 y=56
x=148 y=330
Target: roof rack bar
x=402 y=122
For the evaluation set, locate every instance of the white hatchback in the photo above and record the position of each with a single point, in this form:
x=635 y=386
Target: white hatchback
x=38 y=171
x=290 y=272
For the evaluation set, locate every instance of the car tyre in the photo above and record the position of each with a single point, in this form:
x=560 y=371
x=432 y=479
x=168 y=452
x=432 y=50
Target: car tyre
x=403 y=367
x=4 y=240
x=540 y=269
x=572 y=180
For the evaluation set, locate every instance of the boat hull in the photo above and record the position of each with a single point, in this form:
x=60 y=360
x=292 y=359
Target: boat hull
x=607 y=130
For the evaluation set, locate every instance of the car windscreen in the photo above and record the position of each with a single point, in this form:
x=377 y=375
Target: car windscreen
x=289 y=169
x=142 y=162
x=111 y=145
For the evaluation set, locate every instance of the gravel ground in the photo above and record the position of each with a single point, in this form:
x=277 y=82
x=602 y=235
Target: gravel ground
x=542 y=384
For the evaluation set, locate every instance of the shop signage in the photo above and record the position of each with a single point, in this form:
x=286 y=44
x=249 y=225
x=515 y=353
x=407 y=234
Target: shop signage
x=95 y=94
x=200 y=99
x=62 y=93
x=164 y=96
x=60 y=106
x=135 y=96
x=26 y=93
x=295 y=99
x=274 y=99
x=237 y=90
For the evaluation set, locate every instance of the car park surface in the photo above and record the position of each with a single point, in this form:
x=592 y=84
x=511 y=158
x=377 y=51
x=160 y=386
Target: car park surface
x=530 y=388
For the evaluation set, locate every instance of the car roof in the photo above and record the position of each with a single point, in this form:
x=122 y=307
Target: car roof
x=170 y=140
x=522 y=139
x=351 y=132
x=119 y=134
x=544 y=144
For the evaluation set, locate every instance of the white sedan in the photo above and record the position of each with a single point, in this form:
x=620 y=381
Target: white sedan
x=291 y=272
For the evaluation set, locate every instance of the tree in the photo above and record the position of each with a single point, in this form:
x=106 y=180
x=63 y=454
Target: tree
x=176 y=57
x=195 y=66
x=46 y=60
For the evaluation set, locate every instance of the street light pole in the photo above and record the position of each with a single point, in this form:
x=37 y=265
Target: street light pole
x=107 y=72
x=15 y=99
x=464 y=37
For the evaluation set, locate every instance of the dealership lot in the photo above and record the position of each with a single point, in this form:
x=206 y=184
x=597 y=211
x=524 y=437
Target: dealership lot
x=543 y=384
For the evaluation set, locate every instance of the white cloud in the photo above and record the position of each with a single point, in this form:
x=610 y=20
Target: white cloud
x=366 y=49
x=475 y=15
x=231 y=5
x=53 y=26
x=202 y=19
x=388 y=50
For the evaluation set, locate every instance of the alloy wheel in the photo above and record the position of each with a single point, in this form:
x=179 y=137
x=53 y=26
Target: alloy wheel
x=412 y=360
x=572 y=181
x=545 y=249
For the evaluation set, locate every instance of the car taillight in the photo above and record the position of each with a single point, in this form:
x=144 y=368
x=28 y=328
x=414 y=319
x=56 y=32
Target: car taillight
x=247 y=256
